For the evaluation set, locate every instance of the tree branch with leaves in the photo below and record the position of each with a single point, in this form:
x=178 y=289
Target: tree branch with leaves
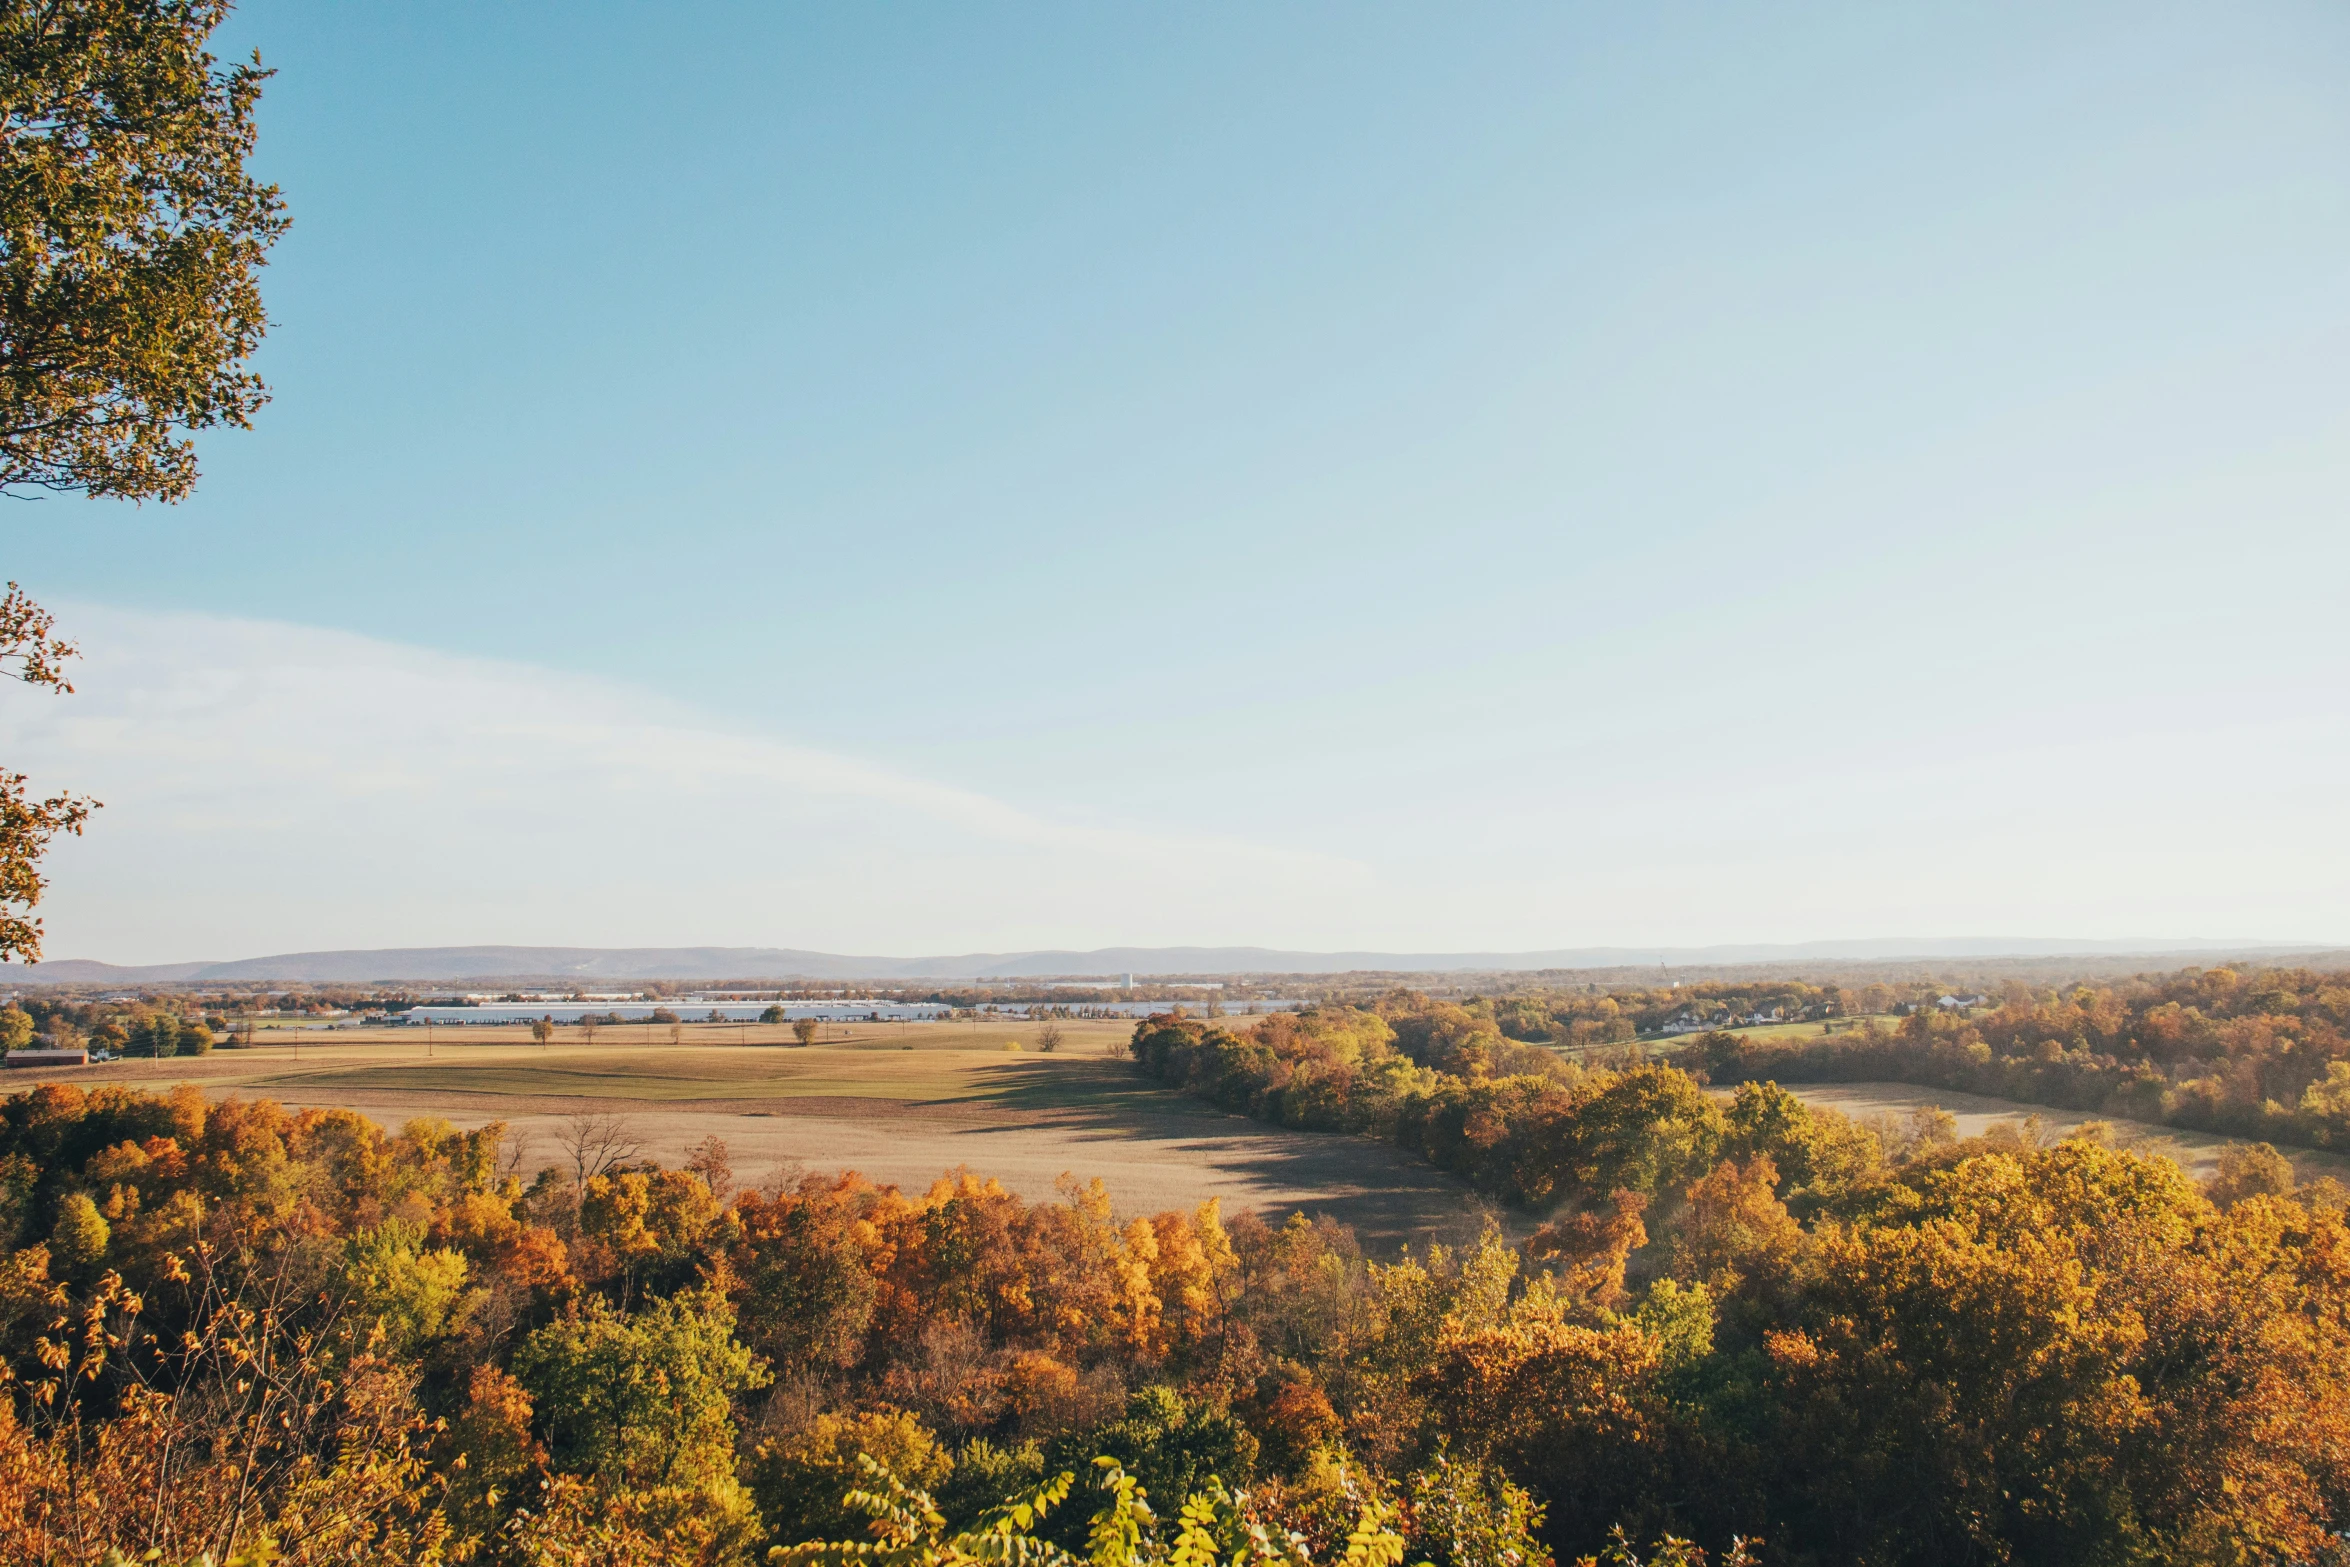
x=30 y=651
x=131 y=243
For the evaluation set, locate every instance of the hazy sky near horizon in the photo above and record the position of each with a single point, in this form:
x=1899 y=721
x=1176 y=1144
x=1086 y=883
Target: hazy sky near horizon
x=938 y=479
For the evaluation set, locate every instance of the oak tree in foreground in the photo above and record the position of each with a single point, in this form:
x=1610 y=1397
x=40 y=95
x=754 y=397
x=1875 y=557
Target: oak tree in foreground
x=131 y=243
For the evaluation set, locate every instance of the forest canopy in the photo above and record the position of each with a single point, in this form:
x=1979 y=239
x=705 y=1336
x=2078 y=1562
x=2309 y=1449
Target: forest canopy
x=1736 y=1324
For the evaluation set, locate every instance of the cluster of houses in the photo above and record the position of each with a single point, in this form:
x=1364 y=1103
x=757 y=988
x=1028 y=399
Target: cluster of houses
x=1694 y=1019
x=1691 y=1021
x=1951 y=1003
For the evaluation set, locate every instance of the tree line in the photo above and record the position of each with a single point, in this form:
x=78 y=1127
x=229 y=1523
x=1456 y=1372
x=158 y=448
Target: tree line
x=128 y=1031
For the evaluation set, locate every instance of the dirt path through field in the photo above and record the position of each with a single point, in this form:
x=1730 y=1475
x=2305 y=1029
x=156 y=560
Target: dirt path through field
x=2196 y=1152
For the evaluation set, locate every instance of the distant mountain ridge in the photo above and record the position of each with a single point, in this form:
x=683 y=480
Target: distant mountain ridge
x=408 y=965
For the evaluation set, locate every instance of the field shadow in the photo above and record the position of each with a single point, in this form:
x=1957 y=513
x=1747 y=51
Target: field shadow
x=1388 y=1197
x=1075 y=1085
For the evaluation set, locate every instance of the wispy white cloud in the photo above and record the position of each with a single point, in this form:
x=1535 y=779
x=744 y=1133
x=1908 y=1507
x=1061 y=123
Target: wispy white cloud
x=272 y=786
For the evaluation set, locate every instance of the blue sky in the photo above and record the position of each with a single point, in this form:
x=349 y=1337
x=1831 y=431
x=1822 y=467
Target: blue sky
x=1353 y=475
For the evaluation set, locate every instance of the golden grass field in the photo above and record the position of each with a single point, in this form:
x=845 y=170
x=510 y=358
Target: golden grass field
x=902 y=1103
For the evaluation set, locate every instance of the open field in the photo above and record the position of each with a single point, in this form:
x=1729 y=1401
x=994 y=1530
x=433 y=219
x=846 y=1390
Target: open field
x=1088 y=1033
x=1771 y=1033
x=901 y=1103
